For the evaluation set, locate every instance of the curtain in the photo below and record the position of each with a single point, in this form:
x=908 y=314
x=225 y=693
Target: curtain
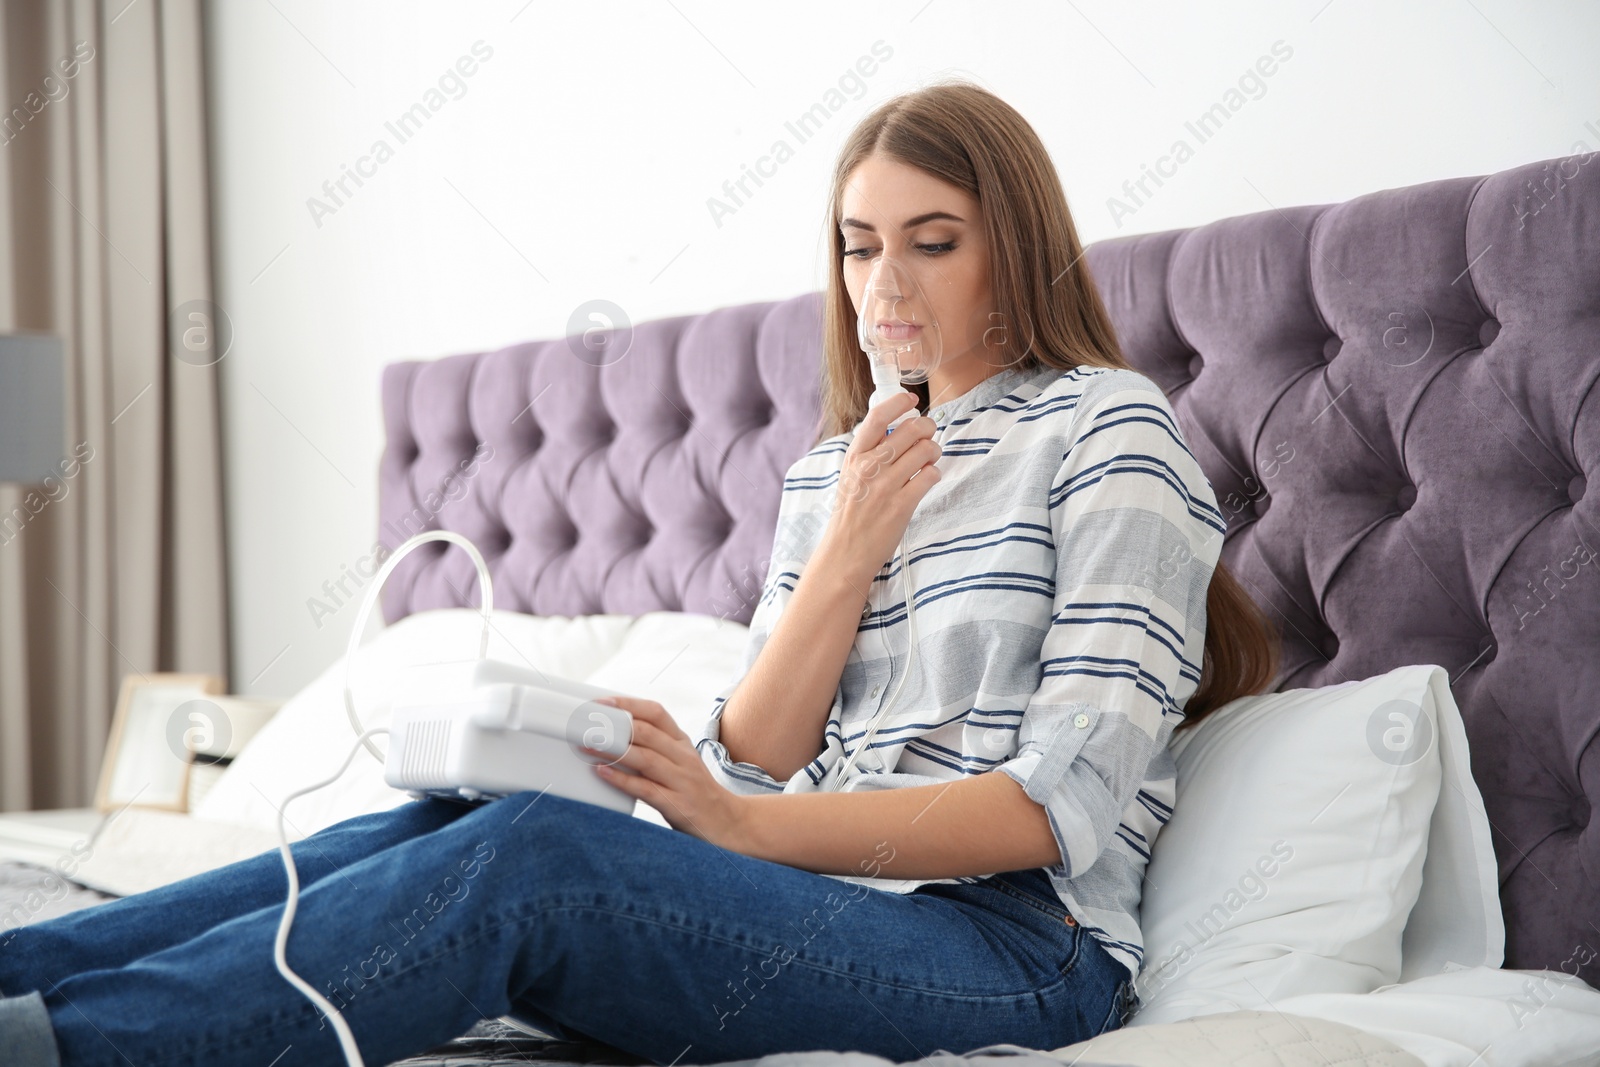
x=105 y=242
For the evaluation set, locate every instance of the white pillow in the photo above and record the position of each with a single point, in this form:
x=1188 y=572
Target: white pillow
x=680 y=659
x=1300 y=842
x=1456 y=923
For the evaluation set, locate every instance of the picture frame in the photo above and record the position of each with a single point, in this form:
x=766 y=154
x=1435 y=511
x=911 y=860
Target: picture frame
x=147 y=761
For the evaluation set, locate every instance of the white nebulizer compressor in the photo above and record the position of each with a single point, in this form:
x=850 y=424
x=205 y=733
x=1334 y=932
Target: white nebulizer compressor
x=487 y=729
x=511 y=729
x=471 y=731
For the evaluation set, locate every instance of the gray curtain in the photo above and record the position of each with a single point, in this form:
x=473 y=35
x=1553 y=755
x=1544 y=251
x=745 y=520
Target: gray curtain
x=105 y=242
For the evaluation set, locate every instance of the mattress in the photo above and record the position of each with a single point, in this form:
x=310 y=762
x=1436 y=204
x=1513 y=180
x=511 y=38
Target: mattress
x=31 y=894
x=1232 y=1039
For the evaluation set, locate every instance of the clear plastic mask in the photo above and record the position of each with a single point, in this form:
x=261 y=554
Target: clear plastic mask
x=896 y=327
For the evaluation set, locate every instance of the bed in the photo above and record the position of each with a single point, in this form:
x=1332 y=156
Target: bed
x=1431 y=353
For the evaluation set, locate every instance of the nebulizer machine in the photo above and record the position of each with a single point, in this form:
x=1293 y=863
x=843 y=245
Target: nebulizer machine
x=897 y=330
x=470 y=731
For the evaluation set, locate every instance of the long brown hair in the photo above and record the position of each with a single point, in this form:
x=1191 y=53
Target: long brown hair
x=965 y=135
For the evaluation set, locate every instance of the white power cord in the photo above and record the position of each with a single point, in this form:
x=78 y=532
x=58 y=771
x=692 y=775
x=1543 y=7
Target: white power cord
x=911 y=652
x=372 y=598
x=347 y=1040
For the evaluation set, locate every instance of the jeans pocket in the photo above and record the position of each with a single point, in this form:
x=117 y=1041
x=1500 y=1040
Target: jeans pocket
x=1031 y=898
x=1034 y=887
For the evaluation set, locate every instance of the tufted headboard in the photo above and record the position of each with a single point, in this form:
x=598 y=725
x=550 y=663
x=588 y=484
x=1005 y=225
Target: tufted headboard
x=1394 y=399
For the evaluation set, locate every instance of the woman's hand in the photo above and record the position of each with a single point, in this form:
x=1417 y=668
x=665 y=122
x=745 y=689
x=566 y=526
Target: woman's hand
x=883 y=478
x=669 y=774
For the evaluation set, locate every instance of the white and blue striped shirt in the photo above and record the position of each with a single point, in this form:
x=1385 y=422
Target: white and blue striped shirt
x=1060 y=566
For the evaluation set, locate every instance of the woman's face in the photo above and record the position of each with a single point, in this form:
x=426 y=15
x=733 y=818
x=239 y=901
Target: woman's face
x=936 y=231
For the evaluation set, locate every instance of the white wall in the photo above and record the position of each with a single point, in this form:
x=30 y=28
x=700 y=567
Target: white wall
x=580 y=159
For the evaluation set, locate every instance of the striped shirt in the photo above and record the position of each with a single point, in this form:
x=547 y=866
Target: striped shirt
x=1060 y=567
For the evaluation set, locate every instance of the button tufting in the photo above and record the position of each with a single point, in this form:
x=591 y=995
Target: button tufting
x=1580 y=811
x=1486 y=657
x=1261 y=503
x=1331 y=347
x=1195 y=363
x=1576 y=488
x=1330 y=646
x=1406 y=497
x=1488 y=332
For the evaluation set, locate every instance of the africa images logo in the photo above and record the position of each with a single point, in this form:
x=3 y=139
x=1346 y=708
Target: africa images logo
x=402 y=128
x=1251 y=85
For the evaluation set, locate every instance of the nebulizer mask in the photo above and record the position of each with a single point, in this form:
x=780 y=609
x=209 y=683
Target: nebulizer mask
x=897 y=330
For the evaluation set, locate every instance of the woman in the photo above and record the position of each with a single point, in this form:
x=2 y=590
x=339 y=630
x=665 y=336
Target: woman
x=834 y=877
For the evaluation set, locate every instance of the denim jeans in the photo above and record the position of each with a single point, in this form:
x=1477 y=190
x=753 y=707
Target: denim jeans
x=587 y=923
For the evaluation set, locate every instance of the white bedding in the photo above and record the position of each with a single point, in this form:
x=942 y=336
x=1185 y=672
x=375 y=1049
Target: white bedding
x=1482 y=1017
x=1473 y=1017
x=1239 y=1039
x=1478 y=1016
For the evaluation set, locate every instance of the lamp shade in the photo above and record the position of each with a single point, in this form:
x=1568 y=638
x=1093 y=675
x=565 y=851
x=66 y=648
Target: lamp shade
x=32 y=408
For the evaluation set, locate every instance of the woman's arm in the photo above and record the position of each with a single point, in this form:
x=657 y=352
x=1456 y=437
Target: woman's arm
x=776 y=716
x=976 y=825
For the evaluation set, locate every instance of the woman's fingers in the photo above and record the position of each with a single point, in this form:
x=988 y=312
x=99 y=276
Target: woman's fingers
x=648 y=711
x=879 y=486
x=914 y=461
x=646 y=736
x=889 y=452
x=879 y=416
x=643 y=757
x=653 y=730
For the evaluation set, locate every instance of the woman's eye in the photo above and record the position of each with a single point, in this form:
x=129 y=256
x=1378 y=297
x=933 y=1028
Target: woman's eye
x=935 y=250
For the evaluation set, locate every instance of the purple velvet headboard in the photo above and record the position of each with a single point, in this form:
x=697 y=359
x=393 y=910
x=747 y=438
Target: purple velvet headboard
x=1394 y=399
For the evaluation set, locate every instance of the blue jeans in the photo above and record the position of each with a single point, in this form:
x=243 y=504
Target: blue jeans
x=587 y=923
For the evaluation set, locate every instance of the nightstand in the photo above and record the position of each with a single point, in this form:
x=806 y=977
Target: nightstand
x=43 y=837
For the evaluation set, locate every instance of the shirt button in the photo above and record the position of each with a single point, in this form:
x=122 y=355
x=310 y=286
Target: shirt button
x=1081 y=721
x=875 y=690
x=866 y=609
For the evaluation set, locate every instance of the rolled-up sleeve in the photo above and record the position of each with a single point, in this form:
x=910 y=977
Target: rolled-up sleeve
x=1137 y=535
x=737 y=776
x=796 y=533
